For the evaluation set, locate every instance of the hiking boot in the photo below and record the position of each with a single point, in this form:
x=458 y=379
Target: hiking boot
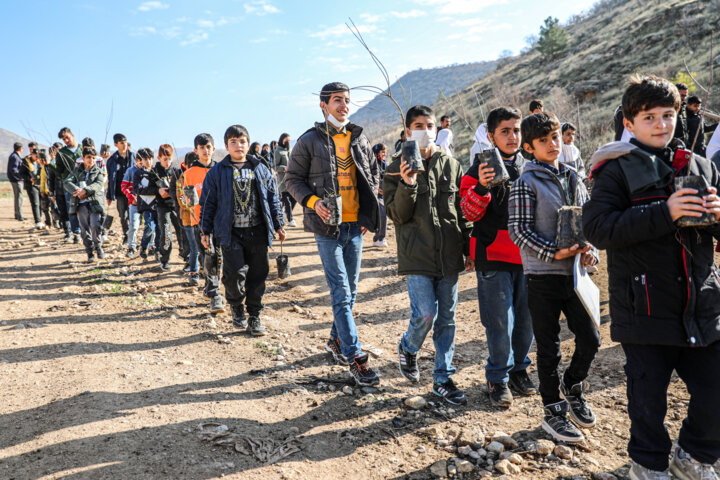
x=194 y=280
x=638 y=472
x=216 y=305
x=239 y=320
x=333 y=348
x=100 y=253
x=255 y=326
x=500 y=395
x=558 y=425
x=165 y=267
x=76 y=238
x=408 y=364
x=143 y=253
x=449 y=392
x=521 y=383
x=580 y=411
x=362 y=373
x=684 y=467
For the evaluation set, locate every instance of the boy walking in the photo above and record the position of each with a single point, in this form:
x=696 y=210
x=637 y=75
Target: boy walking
x=65 y=162
x=432 y=237
x=535 y=198
x=242 y=210
x=144 y=192
x=332 y=159
x=501 y=284
x=281 y=160
x=116 y=166
x=664 y=284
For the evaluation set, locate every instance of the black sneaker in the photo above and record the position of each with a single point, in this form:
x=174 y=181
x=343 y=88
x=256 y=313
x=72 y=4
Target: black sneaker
x=580 y=411
x=521 y=383
x=91 y=258
x=558 y=425
x=165 y=267
x=449 y=392
x=362 y=373
x=143 y=253
x=255 y=327
x=76 y=238
x=100 y=253
x=499 y=394
x=408 y=364
x=194 y=280
x=333 y=348
x=239 y=320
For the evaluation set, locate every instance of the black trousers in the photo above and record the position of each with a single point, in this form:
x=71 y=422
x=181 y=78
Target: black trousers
x=124 y=214
x=548 y=295
x=211 y=260
x=183 y=245
x=62 y=207
x=33 y=193
x=246 y=267
x=648 y=369
x=288 y=204
x=48 y=210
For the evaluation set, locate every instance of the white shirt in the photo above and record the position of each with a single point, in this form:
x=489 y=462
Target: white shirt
x=482 y=142
x=444 y=140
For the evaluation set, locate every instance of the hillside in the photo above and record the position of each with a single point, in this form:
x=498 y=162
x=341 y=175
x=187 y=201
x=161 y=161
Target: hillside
x=7 y=139
x=607 y=44
x=420 y=87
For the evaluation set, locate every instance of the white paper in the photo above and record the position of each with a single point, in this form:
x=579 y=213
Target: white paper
x=587 y=291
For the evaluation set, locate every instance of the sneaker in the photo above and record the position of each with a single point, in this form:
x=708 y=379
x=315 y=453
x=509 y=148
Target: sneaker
x=333 y=348
x=292 y=223
x=499 y=394
x=521 y=383
x=131 y=253
x=408 y=364
x=638 y=472
x=558 y=425
x=76 y=238
x=449 y=392
x=684 y=467
x=186 y=268
x=68 y=238
x=380 y=243
x=194 y=280
x=143 y=253
x=105 y=240
x=255 y=326
x=39 y=226
x=580 y=411
x=165 y=267
x=239 y=320
x=362 y=373
x=91 y=258
x=216 y=305
x=100 y=253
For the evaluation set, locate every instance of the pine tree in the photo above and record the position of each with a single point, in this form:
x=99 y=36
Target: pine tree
x=553 y=38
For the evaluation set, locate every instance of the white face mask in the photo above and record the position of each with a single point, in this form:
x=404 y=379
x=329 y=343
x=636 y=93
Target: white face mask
x=335 y=122
x=423 y=137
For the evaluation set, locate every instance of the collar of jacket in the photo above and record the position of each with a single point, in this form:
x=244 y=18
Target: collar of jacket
x=198 y=163
x=325 y=127
x=537 y=166
x=227 y=161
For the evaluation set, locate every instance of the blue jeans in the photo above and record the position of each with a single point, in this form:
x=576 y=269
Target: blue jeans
x=341 y=258
x=150 y=218
x=503 y=301
x=192 y=244
x=134 y=225
x=433 y=301
x=74 y=224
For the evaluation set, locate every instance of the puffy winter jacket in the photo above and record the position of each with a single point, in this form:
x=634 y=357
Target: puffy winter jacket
x=94 y=186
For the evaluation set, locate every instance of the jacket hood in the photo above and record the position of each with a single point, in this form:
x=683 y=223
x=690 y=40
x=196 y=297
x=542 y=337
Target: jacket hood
x=609 y=151
x=534 y=166
x=197 y=163
x=355 y=130
x=253 y=160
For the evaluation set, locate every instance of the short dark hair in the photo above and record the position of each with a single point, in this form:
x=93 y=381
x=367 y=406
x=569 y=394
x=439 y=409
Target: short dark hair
x=165 y=150
x=282 y=138
x=203 y=139
x=104 y=148
x=330 y=88
x=57 y=145
x=378 y=147
x=63 y=131
x=17 y=146
x=145 y=154
x=499 y=115
x=442 y=119
x=535 y=104
x=648 y=91
x=694 y=100
x=88 y=150
x=119 y=137
x=253 y=145
x=568 y=126
x=190 y=158
x=417 y=111
x=236 y=131
x=681 y=86
x=88 y=142
x=537 y=126
x=32 y=145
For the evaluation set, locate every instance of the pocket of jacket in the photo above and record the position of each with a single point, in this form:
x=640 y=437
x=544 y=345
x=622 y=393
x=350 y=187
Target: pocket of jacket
x=641 y=294
x=447 y=194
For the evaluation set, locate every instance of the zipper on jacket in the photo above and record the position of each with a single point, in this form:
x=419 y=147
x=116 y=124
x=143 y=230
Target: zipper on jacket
x=647 y=294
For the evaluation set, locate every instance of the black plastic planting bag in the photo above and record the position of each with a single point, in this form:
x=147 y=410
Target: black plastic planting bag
x=283 y=264
x=492 y=158
x=333 y=202
x=192 y=195
x=569 y=227
x=699 y=183
x=411 y=155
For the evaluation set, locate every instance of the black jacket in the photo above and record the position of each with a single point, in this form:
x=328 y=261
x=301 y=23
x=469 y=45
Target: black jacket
x=13 y=167
x=161 y=177
x=312 y=170
x=694 y=122
x=145 y=189
x=681 y=126
x=31 y=178
x=664 y=284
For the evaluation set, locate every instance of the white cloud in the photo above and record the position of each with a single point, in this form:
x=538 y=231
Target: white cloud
x=147 y=6
x=455 y=7
x=194 y=37
x=142 y=31
x=205 y=23
x=260 y=7
x=409 y=14
x=340 y=30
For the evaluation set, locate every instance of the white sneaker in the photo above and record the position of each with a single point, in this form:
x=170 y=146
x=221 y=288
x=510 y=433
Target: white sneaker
x=292 y=223
x=684 y=467
x=380 y=243
x=638 y=472
x=39 y=226
x=105 y=240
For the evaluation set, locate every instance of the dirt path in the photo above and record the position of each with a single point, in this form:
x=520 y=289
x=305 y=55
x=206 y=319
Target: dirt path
x=108 y=370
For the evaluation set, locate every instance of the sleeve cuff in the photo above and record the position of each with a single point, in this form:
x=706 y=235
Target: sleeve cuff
x=312 y=201
x=480 y=190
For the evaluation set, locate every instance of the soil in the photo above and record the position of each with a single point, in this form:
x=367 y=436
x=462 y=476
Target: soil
x=116 y=370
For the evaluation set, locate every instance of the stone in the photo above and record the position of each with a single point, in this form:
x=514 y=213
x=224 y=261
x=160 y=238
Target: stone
x=464 y=466
x=495 y=447
x=439 y=468
x=420 y=449
x=508 y=442
x=564 y=452
x=347 y=390
x=474 y=455
x=184 y=362
x=465 y=450
x=544 y=447
x=452 y=470
x=603 y=476
x=416 y=403
x=507 y=468
x=515 y=458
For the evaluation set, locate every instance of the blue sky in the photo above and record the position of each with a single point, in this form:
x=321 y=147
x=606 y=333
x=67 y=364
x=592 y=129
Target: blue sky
x=173 y=68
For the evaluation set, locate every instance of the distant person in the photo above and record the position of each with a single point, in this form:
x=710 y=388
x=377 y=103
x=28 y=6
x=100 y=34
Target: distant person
x=621 y=133
x=47 y=207
x=713 y=145
x=444 y=137
x=65 y=162
x=681 y=128
x=536 y=106
x=16 y=180
x=30 y=173
x=254 y=150
x=398 y=144
x=380 y=152
x=145 y=194
x=133 y=215
x=570 y=154
x=117 y=164
x=281 y=160
x=696 y=126
x=267 y=157
x=332 y=159
x=480 y=143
